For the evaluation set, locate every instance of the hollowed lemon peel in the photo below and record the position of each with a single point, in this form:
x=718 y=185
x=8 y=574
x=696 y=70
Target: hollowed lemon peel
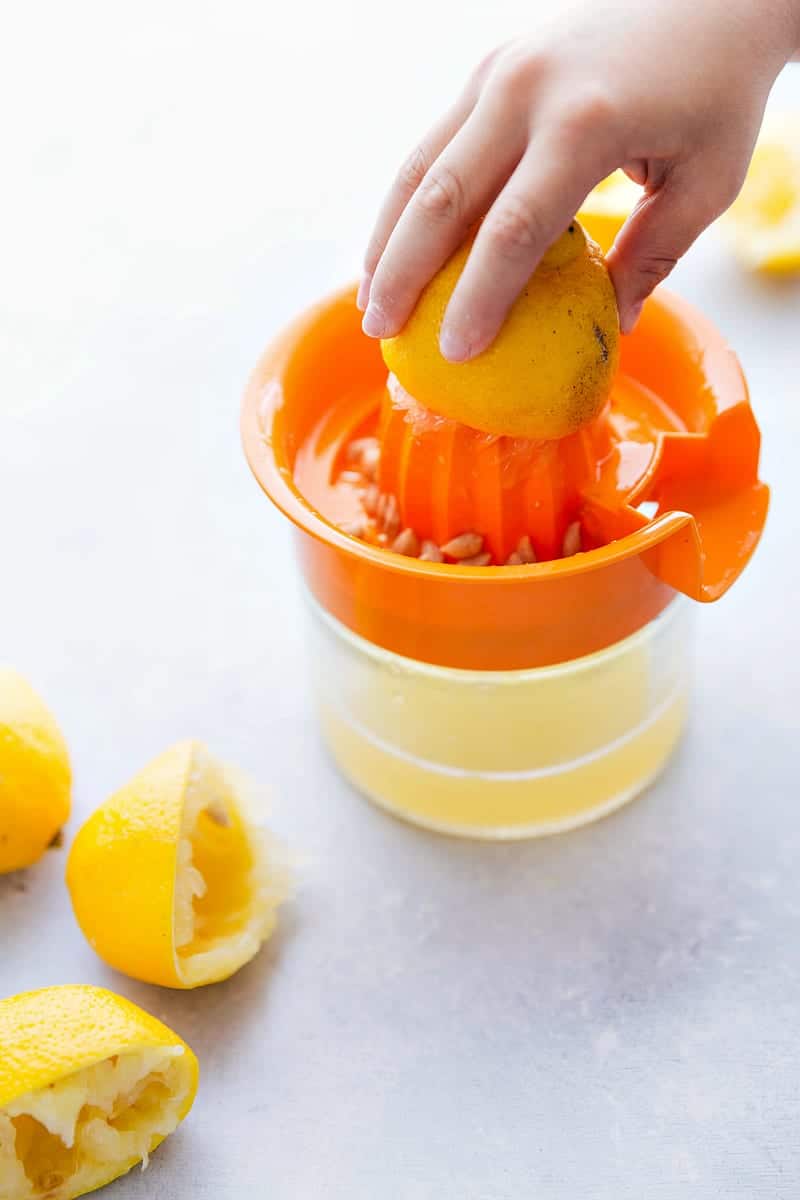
x=90 y=1085
x=173 y=880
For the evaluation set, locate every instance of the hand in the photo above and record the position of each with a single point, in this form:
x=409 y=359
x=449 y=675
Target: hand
x=673 y=91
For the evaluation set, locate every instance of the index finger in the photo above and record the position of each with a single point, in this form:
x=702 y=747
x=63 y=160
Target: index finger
x=535 y=207
x=407 y=180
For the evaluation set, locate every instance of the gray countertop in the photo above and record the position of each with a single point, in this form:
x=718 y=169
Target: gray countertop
x=610 y=1014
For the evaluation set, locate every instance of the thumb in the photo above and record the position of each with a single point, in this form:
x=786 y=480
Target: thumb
x=657 y=234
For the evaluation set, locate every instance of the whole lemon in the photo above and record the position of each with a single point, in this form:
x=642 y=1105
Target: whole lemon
x=550 y=368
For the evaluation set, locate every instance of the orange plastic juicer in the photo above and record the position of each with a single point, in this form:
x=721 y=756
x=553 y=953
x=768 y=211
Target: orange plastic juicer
x=497 y=700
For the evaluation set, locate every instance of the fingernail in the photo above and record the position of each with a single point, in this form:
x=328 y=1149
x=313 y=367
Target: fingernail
x=374 y=322
x=453 y=346
x=362 y=299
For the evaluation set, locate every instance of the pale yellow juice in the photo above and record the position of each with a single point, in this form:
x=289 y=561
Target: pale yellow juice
x=503 y=754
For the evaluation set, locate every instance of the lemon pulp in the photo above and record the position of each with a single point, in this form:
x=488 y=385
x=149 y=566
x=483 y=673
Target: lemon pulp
x=223 y=887
x=75 y=1135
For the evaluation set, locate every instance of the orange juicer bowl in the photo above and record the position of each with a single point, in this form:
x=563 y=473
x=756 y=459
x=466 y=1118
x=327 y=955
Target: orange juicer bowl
x=510 y=701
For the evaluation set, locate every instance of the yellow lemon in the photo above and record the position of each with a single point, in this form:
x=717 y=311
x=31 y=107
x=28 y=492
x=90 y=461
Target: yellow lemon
x=35 y=775
x=550 y=368
x=763 y=224
x=171 y=880
x=89 y=1086
x=607 y=207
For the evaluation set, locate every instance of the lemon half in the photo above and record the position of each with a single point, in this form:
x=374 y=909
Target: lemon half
x=549 y=370
x=171 y=880
x=763 y=224
x=89 y=1086
x=35 y=777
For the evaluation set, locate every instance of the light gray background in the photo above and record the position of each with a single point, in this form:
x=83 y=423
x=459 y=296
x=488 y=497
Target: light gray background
x=611 y=1014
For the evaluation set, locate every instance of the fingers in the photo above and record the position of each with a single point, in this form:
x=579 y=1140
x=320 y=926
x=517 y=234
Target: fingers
x=408 y=179
x=535 y=207
x=658 y=233
x=415 y=169
x=456 y=190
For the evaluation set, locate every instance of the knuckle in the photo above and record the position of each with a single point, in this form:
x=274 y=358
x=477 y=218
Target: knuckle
x=515 y=227
x=413 y=170
x=709 y=186
x=441 y=194
x=484 y=68
x=588 y=111
x=512 y=72
x=654 y=267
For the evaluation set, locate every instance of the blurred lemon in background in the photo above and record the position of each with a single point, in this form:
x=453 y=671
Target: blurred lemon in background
x=763 y=224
